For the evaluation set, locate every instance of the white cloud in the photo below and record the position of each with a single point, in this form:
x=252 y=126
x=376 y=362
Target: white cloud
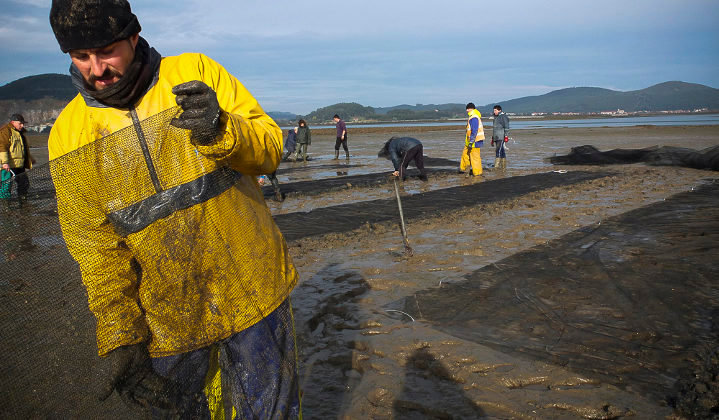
x=35 y=3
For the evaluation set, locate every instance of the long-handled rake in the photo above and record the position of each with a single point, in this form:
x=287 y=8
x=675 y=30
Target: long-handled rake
x=407 y=249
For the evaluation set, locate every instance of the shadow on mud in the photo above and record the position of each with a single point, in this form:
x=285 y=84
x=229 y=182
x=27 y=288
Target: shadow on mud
x=631 y=301
x=333 y=354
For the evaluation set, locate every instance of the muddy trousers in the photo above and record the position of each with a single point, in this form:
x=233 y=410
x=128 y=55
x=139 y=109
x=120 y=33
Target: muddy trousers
x=473 y=159
x=301 y=151
x=257 y=372
x=417 y=154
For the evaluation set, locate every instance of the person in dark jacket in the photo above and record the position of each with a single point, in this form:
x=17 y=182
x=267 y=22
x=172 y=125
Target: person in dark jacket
x=500 y=135
x=401 y=151
x=341 y=137
x=304 y=139
x=289 y=145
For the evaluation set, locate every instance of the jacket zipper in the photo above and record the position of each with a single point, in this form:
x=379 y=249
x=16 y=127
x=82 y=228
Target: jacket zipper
x=145 y=151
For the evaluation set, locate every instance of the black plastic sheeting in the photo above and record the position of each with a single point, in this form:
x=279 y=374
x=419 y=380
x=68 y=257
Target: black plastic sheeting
x=347 y=217
x=632 y=301
x=661 y=156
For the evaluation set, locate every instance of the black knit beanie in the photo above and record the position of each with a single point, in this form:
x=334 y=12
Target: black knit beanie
x=83 y=24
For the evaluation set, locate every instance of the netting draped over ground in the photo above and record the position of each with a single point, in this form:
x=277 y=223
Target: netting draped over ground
x=166 y=254
x=661 y=156
x=632 y=301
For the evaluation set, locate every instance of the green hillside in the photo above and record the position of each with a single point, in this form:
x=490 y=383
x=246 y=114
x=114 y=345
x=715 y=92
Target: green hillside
x=55 y=86
x=662 y=97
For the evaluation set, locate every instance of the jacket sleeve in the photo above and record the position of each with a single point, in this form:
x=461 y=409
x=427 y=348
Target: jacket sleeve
x=394 y=154
x=251 y=142
x=309 y=135
x=506 y=125
x=107 y=266
x=474 y=126
x=4 y=145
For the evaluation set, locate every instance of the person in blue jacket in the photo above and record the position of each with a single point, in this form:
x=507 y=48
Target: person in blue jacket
x=401 y=151
x=290 y=142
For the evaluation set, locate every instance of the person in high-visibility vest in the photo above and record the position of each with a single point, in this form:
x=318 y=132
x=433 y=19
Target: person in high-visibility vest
x=473 y=140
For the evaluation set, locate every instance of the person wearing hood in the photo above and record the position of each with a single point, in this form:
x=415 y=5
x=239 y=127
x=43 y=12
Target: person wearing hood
x=187 y=274
x=401 y=151
x=304 y=139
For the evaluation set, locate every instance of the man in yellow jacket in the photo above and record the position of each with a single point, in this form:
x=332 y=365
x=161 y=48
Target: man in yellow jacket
x=154 y=163
x=473 y=140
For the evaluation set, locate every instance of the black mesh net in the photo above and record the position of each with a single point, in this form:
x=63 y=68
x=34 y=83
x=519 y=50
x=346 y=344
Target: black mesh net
x=171 y=248
x=631 y=301
x=665 y=156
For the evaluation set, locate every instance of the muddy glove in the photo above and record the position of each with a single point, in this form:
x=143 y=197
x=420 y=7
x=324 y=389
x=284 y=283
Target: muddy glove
x=492 y=142
x=200 y=112
x=132 y=376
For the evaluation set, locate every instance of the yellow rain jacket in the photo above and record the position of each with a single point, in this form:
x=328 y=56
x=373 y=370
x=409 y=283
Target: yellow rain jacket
x=480 y=131
x=174 y=242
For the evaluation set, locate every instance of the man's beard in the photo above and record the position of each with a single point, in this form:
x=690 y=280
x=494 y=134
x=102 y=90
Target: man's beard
x=108 y=74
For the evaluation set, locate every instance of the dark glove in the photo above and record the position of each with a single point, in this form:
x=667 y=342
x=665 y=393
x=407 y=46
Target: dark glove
x=506 y=139
x=492 y=142
x=470 y=146
x=200 y=111
x=131 y=374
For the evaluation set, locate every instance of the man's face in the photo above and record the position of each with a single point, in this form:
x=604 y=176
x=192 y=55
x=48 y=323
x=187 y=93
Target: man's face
x=18 y=125
x=496 y=111
x=102 y=67
x=469 y=110
x=336 y=119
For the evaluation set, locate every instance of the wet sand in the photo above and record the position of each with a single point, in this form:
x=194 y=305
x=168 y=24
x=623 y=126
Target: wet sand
x=362 y=359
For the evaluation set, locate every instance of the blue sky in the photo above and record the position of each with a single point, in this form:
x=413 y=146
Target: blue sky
x=298 y=56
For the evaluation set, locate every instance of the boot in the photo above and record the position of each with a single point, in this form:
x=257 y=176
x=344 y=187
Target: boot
x=276 y=188
x=503 y=163
x=496 y=163
x=347 y=155
x=337 y=155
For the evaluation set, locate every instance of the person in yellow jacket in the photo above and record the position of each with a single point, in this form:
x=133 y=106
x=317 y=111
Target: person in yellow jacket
x=154 y=164
x=473 y=140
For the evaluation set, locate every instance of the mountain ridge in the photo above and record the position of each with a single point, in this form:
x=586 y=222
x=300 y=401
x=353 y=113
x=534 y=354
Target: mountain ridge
x=41 y=98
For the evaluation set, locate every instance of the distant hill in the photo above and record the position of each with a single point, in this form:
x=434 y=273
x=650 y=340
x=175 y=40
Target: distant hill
x=40 y=99
x=421 y=107
x=346 y=111
x=55 y=86
x=282 y=116
x=665 y=96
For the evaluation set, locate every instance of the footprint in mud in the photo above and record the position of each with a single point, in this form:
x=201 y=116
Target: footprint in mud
x=327 y=320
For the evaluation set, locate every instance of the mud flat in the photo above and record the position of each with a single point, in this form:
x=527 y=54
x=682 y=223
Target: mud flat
x=545 y=309
x=363 y=359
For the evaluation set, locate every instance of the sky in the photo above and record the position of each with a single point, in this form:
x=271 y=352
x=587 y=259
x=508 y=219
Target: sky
x=297 y=56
